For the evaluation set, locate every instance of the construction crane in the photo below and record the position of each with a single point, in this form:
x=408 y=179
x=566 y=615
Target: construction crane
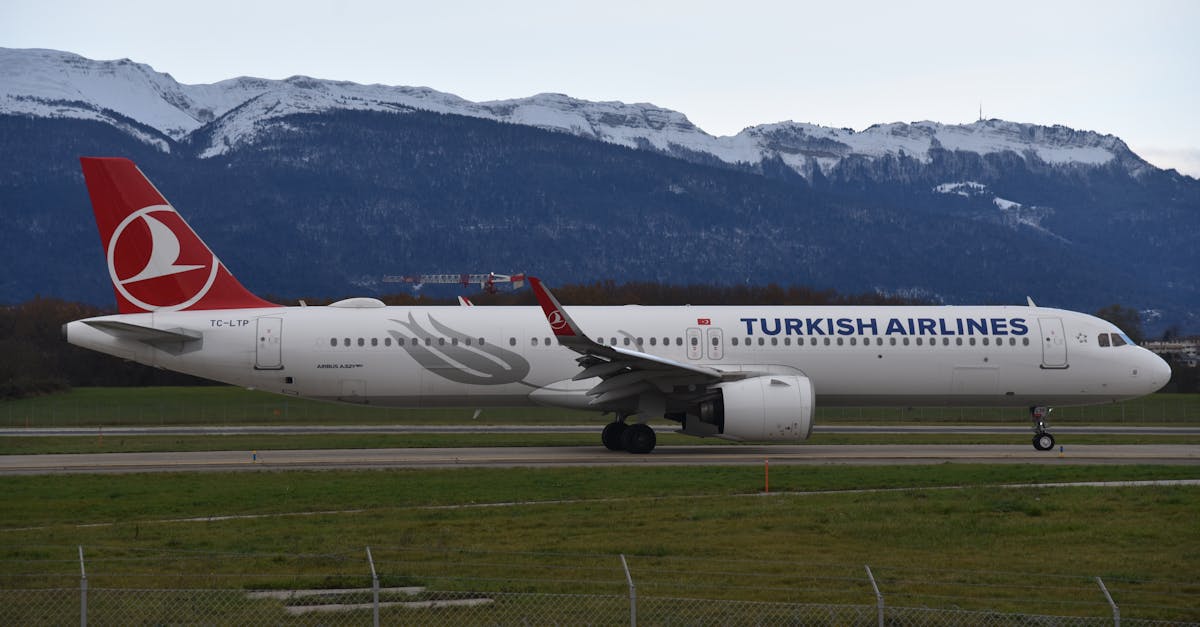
x=487 y=282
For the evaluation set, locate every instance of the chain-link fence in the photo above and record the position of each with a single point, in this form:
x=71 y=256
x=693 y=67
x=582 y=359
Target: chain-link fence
x=404 y=586
x=106 y=606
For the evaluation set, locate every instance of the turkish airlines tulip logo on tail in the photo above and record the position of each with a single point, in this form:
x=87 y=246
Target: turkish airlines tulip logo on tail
x=157 y=263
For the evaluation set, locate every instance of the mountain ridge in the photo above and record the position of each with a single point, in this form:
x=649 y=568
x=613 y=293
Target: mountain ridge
x=44 y=82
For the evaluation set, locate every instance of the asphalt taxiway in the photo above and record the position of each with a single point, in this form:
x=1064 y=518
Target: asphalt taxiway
x=400 y=429
x=566 y=456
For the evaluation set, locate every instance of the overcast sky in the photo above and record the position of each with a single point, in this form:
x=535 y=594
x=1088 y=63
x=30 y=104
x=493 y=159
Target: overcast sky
x=1131 y=69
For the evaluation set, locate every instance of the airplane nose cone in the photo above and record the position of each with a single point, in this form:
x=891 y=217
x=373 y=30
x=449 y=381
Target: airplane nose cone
x=1159 y=371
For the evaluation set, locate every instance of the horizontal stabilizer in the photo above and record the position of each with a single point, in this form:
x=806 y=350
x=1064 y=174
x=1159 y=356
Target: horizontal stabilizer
x=171 y=340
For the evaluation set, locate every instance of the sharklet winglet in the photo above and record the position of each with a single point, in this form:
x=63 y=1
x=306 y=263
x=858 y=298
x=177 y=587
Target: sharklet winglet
x=560 y=322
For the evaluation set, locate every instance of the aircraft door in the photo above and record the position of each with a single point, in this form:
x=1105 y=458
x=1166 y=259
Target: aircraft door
x=268 y=354
x=1054 y=343
x=716 y=343
x=694 y=339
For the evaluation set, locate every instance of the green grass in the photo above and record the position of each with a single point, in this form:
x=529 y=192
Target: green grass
x=219 y=405
x=177 y=443
x=693 y=532
x=85 y=499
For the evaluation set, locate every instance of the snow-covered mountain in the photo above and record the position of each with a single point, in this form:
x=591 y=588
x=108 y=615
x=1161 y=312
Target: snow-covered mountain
x=236 y=112
x=373 y=179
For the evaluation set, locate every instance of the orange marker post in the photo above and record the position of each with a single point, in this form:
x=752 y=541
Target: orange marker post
x=766 y=476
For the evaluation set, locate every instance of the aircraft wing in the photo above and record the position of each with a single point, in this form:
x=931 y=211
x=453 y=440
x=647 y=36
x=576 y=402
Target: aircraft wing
x=624 y=373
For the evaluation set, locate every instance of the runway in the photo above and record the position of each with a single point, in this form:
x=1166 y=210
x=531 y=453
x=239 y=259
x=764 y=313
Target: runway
x=568 y=456
x=425 y=429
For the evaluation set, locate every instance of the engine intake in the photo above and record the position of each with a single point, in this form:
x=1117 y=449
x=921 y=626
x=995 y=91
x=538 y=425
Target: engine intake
x=765 y=408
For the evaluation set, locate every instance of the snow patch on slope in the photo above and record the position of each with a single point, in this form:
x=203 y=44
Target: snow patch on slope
x=1012 y=213
x=1016 y=214
x=964 y=188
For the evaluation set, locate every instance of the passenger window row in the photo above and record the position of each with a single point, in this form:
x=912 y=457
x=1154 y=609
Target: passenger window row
x=1104 y=339
x=637 y=341
x=400 y=342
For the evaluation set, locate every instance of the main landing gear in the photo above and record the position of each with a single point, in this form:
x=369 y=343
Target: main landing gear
x=1042 y=440
x=635 y=438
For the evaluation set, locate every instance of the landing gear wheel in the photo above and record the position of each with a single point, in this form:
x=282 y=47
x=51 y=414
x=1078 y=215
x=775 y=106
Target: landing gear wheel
x=612 y=434
x=638 y=438
x=1043 y=441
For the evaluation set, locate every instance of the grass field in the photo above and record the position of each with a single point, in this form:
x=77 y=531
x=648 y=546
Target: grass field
x=229 y=405
x=154 y=443
x=695 y=532
x=945 y=536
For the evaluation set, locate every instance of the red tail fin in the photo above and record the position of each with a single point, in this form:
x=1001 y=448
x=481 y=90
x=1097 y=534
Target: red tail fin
x=155 y=260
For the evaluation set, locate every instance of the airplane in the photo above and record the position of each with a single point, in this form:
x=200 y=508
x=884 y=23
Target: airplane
x=743 y=373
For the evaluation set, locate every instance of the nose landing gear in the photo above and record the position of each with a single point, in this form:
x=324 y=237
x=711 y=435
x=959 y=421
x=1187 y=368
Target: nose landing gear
x=1042 y=440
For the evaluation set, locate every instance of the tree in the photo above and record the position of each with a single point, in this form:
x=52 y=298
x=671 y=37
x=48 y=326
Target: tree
x=1126 y=319
x=1172 y=333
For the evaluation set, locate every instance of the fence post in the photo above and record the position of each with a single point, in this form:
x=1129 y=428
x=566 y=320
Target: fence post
x=1115 y=610
x=82 y=590
x=374 y=588
x=632 y=593
x=878 y=596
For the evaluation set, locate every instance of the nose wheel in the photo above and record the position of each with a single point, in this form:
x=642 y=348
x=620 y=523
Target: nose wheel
x=1042 y=440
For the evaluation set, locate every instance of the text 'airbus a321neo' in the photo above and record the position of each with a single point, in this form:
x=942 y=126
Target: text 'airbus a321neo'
x=735 y=372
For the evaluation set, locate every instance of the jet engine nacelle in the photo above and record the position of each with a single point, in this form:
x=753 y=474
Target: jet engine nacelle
x=773 y=407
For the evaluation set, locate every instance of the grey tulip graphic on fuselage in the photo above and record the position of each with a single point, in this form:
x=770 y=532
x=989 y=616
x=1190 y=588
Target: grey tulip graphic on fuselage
x=463 y=361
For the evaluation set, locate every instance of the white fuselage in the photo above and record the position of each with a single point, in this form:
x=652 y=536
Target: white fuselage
x=490 y=356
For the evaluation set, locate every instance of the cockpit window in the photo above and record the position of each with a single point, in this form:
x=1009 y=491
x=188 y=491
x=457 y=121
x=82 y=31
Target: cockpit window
x=1119 y=339
x=1102 y=339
